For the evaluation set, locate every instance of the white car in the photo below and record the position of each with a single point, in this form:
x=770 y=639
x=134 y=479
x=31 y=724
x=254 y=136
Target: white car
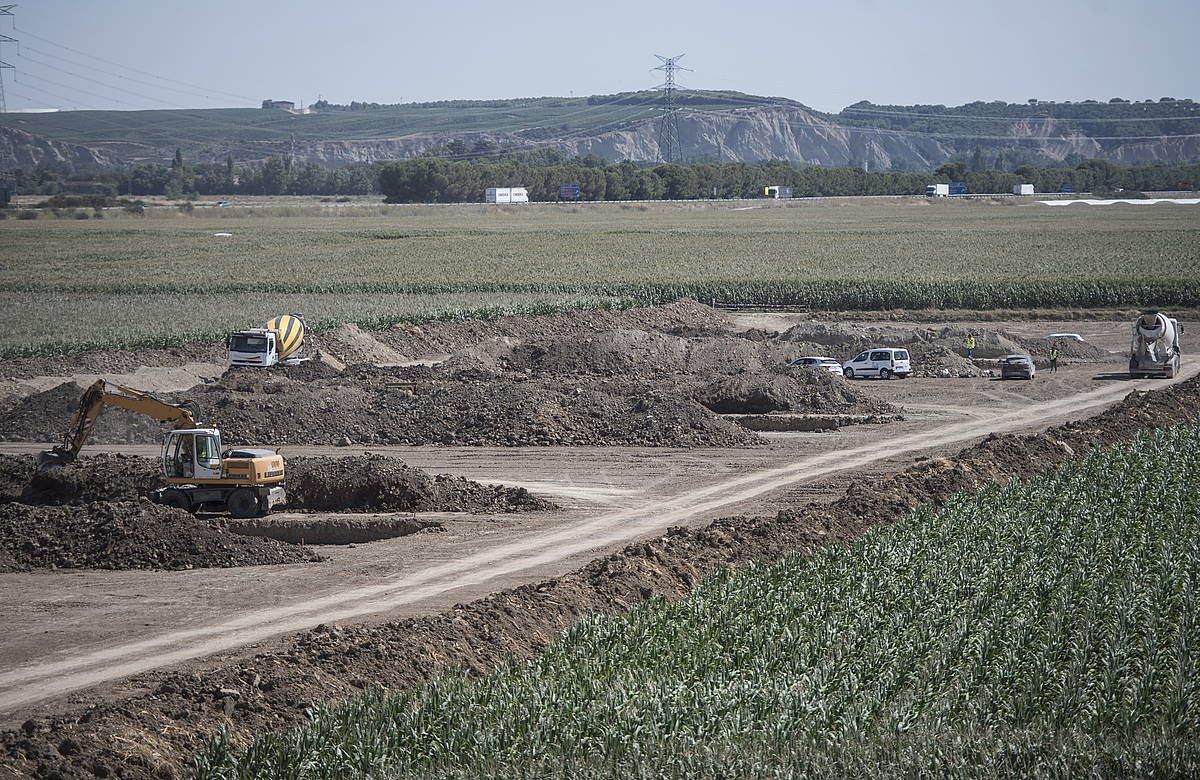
x=883 y=362
x=815 y=361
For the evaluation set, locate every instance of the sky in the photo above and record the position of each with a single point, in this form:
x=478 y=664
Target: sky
x=138 y=54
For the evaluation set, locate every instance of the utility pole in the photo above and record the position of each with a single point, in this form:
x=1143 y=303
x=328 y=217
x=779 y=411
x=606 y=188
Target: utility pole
x=5 y=10
x=669 y=146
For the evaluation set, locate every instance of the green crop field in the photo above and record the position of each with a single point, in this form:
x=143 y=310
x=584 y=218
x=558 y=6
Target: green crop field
x=165 y=277
x=1018 y=632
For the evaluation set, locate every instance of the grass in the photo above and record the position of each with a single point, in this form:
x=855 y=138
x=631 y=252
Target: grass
x=1019 y=631
x=125 y=280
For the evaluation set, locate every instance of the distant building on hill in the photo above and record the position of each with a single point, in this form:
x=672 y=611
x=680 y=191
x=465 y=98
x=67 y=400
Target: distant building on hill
x=286 y=105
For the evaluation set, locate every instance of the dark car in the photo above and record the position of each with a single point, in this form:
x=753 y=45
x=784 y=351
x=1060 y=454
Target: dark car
x=1017 y=367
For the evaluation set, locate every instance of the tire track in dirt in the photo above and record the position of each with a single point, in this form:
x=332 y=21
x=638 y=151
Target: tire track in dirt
x=33 y=682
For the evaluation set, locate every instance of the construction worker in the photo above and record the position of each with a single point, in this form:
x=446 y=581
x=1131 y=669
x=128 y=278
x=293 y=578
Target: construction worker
x=970 y=346
x=1053 y=359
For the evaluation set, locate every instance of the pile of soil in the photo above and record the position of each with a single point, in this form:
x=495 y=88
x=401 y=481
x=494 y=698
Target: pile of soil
x=791 y=390
x=45 y=417
x=446 y=336
x=378 y=483
x=445 y=404
x=15 y=471
x=128 y=535
x=356 y=483
x=933 y=349
x=102 y=477
x=645 y=354
x=163 y=728
x=449 y=405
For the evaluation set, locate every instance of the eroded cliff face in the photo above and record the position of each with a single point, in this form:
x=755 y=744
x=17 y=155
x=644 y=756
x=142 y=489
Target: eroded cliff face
x=22 y=150
x=773 y=132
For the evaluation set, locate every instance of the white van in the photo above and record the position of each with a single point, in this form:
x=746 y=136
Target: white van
x=883 y=362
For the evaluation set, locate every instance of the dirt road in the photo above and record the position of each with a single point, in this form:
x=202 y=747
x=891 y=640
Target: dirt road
x=608 y=515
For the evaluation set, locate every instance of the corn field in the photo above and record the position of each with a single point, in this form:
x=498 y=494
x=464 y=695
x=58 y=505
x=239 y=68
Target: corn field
x=1047 y=628
x=112 y=276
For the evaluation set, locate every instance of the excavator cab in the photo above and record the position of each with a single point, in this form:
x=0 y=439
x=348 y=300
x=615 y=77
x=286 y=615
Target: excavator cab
x=193 y=453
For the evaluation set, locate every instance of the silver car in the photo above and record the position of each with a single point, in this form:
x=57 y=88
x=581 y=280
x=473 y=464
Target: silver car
x=816 y=361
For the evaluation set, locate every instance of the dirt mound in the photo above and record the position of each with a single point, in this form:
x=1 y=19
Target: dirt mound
x=933 y=349
x=791 y=390
x=640 y=353
x=363 y=483
x=444 y=405
x=113 y=361
x=102 y=477
x=15 y=471
x=378 y=483
x=940 y=361
x=45 y=416
x=129 y=535
x=351 y=344
x=446 y=336
x=162 y=728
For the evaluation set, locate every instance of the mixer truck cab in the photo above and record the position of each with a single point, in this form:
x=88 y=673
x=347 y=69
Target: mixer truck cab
x=279 y=341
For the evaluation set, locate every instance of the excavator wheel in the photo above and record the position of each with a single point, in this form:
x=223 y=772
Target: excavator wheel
x=177 y=499
x=243 y=503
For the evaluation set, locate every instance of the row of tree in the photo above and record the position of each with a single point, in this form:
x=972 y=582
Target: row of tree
x=432 y=180
x=439 y=180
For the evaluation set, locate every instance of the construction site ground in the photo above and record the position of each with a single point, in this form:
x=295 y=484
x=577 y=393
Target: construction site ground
x=78 y=636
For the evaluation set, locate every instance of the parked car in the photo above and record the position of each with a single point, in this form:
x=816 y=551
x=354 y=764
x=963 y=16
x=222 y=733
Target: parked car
x=1017 y=367
x=883 y=362
x=815 y=361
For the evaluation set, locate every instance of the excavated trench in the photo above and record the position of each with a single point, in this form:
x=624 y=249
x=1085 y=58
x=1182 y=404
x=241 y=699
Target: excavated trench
x=332 y=531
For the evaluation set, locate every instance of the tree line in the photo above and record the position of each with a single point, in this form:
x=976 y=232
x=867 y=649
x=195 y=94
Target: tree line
x=543 y=173
x=434 y=180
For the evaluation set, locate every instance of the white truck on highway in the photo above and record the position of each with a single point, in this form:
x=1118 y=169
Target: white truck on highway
x=506 y=195
x=1155 y=348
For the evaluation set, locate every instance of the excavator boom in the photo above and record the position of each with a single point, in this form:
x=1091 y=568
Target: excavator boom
x=103 y=394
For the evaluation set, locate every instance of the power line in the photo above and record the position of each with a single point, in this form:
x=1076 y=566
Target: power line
x=6 y=10
x=670 y=148
x=28 y=34
x=152 y=85
x=101 y=83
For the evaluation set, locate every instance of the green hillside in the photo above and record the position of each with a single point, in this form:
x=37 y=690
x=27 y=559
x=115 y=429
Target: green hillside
x=531 y=117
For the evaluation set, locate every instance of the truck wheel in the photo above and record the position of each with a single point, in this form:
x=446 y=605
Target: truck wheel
x=849 y=372
x=885 y=373
x=177 y=499
x=242 y=503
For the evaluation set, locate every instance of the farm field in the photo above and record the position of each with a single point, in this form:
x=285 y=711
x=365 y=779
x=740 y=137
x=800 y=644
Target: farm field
x=462 y=492
x=1018 y=630
x=167 y=279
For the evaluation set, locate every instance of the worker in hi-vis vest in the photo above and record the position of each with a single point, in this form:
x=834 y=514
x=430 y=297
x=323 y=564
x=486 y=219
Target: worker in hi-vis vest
x=1053 y=359
x=971 y=346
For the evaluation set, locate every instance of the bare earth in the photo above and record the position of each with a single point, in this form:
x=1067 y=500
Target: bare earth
x=67 y=631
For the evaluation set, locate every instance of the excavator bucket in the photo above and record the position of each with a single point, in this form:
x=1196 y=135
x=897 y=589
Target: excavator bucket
x=55 y=458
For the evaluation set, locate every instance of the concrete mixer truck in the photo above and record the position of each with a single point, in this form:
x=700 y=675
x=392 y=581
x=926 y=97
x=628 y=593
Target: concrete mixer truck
x=1155 y=349
x=281 y=340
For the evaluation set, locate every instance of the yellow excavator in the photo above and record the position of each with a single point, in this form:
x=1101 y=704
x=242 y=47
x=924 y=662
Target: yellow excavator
x=197 y=473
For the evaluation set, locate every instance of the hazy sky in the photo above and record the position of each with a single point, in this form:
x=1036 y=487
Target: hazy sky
x=827 y=55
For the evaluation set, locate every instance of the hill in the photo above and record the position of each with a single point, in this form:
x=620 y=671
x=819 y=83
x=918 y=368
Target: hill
x=727 y=126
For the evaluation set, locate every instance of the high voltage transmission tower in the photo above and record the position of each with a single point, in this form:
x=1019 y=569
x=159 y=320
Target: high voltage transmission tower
x=5 y=10
x=669 y=146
